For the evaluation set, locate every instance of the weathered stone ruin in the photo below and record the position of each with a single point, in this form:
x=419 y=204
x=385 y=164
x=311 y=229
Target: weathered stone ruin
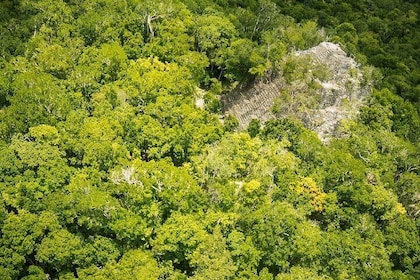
x=341 y=94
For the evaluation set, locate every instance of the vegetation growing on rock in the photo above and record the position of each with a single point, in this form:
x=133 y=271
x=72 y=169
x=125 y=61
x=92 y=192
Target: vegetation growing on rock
x=109 y=170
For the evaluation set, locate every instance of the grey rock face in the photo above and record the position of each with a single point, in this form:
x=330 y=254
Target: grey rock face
x=338 y=96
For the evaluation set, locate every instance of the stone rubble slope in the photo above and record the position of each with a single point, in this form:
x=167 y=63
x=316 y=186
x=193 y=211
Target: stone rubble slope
x=341 y=95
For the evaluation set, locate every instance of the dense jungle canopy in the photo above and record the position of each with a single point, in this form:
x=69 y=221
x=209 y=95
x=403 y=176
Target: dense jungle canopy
x=109 y=170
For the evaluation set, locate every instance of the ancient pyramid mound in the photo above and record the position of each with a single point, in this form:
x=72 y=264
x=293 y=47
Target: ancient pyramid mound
x=338 y=96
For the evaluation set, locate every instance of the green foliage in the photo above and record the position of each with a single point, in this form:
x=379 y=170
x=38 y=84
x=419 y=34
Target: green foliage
x=254 y=127
x=273 y=228
x=177 y=240
x=350 y=254
x=21 y=235
x=134 y=264
x=41 y=96
x=300 y=273
x=52 y=254
x=212 y=259
x=144 y=186
x=108 y=169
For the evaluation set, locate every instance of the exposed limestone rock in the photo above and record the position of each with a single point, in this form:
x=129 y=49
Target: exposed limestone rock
x=331 y=100
x=199 y=100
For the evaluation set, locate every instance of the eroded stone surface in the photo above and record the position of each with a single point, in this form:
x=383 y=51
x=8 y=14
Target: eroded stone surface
x=341 y=94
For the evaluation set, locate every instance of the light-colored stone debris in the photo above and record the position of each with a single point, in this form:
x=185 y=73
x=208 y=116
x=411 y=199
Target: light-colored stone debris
x=341 y=95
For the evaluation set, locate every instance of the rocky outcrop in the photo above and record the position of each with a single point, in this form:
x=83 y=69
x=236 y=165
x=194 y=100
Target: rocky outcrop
x=340 y=94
